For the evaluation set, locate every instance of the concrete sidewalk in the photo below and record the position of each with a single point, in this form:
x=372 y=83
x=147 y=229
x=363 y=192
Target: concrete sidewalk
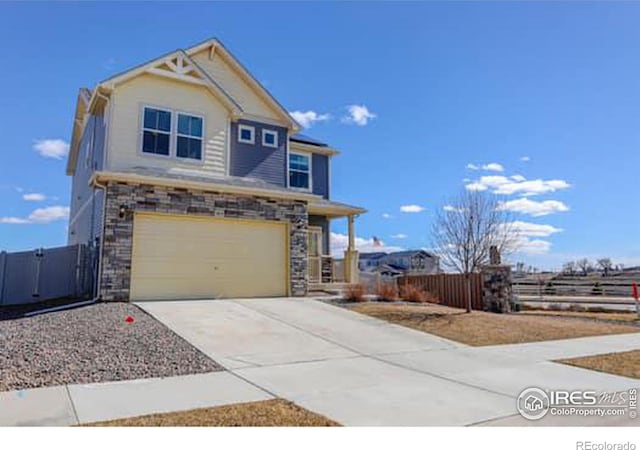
x=86 y=403
x=359 y=370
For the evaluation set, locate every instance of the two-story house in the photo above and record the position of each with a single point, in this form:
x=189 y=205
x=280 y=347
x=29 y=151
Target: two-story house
x=406 y=262
x=192 y=182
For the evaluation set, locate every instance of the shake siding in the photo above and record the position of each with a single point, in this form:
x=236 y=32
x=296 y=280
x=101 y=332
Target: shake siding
x=255 y=160
x=234 y=85
x=124 y=138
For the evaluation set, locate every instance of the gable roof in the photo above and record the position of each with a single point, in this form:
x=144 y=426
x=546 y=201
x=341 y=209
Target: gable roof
x=307 y=140
x=184 y=69
x=216 y=47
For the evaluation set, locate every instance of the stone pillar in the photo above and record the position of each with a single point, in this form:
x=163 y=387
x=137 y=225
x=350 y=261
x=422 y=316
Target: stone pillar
x=497 y=294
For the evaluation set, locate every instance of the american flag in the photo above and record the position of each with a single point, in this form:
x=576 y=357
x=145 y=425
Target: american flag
x=377 y=242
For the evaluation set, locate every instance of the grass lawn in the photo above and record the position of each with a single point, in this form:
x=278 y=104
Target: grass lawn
x=269 y=413
x=630 y=317
x=626 y=364
x=480 y=328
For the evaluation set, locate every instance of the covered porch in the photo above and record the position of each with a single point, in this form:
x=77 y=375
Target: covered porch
x=327 y=271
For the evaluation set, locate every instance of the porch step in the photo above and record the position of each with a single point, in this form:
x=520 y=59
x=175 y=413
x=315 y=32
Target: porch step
x=332 y=288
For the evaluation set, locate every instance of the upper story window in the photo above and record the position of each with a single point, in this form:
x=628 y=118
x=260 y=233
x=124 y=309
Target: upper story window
x=189 y=137
x=270 y=138
x=156 y=131
x=246 y=134
x=299 y=171
x=168 y=133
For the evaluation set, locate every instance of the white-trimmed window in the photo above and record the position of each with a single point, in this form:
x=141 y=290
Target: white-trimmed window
x=300 y=171
x=189 y=136
x=156 y=131
x=246 y=134
x=270 y=138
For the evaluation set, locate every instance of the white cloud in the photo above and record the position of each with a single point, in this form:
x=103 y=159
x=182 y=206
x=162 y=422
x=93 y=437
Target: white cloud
x=340 y=242
x=476 y=187
x=308 y=118
x=500 y=184
x=40 y=215
x=34 y=197
x=411 y=208
x=450 y=208
x=387 y=216
x=524 y=231
x=495 y=167
x=528 y=229
x=532 y=207
x=51 y=148
x=399 y=236
x=525 y=158
x=358 y=114
x=518 y=177
x=533 y=246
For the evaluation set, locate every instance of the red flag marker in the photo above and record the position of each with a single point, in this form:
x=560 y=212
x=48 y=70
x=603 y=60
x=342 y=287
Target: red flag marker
x=128 y=319
x=634 y=289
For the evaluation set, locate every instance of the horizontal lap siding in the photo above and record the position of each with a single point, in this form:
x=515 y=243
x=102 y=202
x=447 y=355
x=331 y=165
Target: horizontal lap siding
x=255 y=160
x=320 y=175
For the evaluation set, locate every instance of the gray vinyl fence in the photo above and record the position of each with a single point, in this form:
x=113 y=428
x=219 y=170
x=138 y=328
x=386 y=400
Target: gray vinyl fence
x=46 y=274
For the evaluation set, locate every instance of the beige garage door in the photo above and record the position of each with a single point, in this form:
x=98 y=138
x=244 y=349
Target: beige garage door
x=187 y=257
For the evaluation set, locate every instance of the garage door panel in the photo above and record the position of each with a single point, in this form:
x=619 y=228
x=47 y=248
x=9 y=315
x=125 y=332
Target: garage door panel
x=187 y=257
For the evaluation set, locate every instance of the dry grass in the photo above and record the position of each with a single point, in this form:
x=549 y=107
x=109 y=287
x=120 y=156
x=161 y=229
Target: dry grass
x=269 y=413
x=630 y=317
x=410 y=293
x=626 y=364
x=387 y=292
x=480 y=328
x=355 y=293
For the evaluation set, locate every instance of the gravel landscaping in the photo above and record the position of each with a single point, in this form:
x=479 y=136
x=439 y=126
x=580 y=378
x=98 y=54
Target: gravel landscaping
x=92 y=344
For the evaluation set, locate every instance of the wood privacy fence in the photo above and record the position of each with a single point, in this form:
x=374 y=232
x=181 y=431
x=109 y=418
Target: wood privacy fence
x=449 y=288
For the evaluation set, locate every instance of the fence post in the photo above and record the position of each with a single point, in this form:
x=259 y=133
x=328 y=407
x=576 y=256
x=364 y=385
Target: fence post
x=39 y=255
x=3 y=269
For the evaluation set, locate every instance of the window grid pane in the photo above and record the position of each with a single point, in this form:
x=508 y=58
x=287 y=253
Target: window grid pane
x=189 y=148
x=189 y=125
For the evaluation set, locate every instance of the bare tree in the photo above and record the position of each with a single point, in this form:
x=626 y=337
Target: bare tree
x=584 y=265
x=465 y=230
x=606 y=265
x=569 y=267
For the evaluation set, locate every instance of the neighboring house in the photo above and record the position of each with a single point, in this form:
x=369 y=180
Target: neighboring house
x=409 y=262
x=193 y=182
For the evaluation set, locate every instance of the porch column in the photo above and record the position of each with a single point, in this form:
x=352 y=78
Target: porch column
x=351 y=271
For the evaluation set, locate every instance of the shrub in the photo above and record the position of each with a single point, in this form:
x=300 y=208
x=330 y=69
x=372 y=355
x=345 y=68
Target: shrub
x=355 y=293
x=412 y=294
x=387 y=292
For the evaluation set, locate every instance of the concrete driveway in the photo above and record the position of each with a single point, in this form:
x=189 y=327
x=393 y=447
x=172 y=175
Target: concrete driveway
x=362 y=371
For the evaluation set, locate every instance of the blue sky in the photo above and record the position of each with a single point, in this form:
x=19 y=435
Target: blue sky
x=547 y=92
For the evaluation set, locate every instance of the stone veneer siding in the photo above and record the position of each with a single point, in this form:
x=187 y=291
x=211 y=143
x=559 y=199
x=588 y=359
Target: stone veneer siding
x=118 y=231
